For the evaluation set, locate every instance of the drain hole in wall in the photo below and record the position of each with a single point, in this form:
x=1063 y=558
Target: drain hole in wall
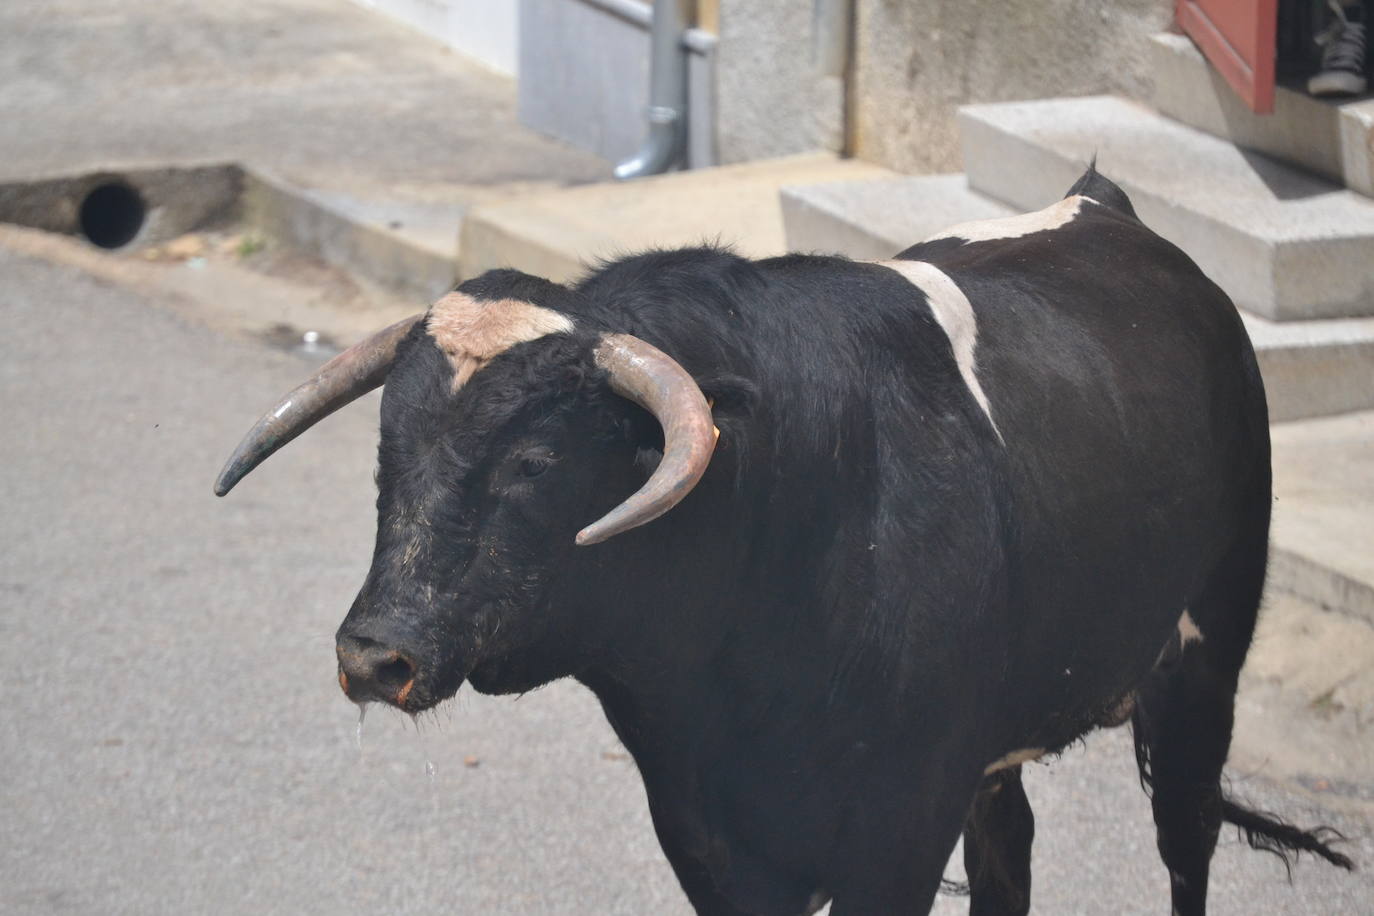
x=112 y=214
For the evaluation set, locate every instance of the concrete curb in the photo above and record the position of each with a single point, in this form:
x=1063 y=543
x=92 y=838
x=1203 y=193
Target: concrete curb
x=1293 y=573
x=403 y=247
x=339 y=231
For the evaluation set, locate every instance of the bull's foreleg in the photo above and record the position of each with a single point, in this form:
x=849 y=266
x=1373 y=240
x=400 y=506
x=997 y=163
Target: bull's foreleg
x=696 y=880
x=997 y=847
x=895 y=849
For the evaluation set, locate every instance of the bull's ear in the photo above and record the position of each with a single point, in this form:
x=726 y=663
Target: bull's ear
x=731 y=396
x=572 y=378
x=732 y=399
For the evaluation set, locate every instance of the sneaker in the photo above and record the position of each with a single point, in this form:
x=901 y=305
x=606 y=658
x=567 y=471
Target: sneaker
x=1342 y=68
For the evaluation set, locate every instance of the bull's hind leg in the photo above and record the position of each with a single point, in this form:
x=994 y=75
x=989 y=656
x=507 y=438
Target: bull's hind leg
x=997 y=847
x=1183 y=720
x=1182 y=724
x=1184 y=713
x=1182 y=728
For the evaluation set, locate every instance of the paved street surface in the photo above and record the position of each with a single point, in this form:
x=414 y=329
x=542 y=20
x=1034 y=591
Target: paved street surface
x=173 y=739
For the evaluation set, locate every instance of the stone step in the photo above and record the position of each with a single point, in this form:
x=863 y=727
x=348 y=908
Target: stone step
x=874 y=219
x=1329 y=138
x=557 y=234
x=1314 y=368
x=1284 y=244
x=1311 y=368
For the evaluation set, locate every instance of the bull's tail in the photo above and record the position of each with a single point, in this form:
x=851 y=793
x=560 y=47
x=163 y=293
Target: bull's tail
x=1270 y=834
x=1263 y=831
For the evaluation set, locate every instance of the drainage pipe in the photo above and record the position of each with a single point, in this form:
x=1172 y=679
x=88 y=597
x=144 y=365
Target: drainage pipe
x=831 y=35
x=111 y=214
x=667 y=140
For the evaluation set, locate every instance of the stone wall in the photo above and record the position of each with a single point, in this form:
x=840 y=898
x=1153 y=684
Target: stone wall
x=770 y=98
x=918 y=60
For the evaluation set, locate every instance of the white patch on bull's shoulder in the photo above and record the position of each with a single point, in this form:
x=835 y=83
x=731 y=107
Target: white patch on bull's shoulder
x=954 y=313
x=1014 y=759
x=1013 y=227
x=473 y=332
x=1188 y=630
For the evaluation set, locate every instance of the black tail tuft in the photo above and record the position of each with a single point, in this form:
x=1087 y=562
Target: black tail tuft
x=1269 y=834
x=954 y=888
x=1261 y=830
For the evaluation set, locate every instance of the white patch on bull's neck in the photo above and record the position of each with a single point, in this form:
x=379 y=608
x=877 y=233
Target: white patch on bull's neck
x=473 y=332
x=954 y=313
x=1013 y=227
x=1014 y=759
x=1188 y=630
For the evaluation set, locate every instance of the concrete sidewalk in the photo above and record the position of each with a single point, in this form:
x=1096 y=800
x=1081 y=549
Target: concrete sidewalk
x=320 y=92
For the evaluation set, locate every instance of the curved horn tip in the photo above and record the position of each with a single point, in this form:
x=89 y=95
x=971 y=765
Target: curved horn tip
x=640 y=372
x=595 y=533
x=226 y=480
x=345 y=378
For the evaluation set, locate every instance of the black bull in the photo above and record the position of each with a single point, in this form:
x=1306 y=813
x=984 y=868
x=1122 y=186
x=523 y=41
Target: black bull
x=965 y=506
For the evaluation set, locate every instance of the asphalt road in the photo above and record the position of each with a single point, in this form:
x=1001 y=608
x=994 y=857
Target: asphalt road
x=172 y=739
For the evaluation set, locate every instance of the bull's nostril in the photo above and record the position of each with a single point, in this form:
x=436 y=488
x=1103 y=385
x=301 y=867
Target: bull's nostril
x=371 y=670
x=396 y=673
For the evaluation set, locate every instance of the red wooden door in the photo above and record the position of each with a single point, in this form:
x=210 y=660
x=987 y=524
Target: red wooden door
x=1238 y=38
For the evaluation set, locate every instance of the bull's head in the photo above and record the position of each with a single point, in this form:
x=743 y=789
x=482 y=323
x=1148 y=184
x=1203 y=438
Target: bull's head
x=495 y=423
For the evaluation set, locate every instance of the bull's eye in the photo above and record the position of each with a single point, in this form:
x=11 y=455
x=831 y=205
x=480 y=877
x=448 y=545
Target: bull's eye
x=534 y=465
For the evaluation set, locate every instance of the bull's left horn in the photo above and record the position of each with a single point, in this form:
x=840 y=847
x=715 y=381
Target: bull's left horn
x=653 y=380
x=346 y=377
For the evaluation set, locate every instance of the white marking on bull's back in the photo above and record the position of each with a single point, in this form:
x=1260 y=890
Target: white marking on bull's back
x=1013 y=227
x=954 y=313
x=473 y=332
x=1188 y=630
x=1014 y=759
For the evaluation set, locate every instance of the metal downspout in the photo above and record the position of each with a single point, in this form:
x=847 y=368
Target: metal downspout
x=667 y=140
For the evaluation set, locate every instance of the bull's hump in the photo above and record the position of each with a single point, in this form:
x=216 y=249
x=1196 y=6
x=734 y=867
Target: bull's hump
x=472 y=332
x=1055 y=216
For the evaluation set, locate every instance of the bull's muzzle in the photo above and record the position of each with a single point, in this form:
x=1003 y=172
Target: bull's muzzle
x=370 y=671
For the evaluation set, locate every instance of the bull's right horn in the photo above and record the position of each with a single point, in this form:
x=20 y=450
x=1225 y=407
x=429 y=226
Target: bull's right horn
x=655 y=381
x=345 y=378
